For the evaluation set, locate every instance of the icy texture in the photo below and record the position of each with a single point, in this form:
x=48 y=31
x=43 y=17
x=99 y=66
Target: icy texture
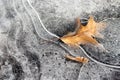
x=24 y=55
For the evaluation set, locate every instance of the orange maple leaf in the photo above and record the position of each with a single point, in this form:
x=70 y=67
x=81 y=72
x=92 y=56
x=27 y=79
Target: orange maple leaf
x=84 y=35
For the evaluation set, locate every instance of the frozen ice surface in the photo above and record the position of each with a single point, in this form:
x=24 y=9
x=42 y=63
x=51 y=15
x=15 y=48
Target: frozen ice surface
x=25 y=56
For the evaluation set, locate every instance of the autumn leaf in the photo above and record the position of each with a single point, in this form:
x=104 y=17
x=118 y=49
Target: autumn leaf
x=78 y=59
x=84 y=34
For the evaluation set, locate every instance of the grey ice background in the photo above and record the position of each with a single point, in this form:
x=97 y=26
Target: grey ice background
x=25 y=56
